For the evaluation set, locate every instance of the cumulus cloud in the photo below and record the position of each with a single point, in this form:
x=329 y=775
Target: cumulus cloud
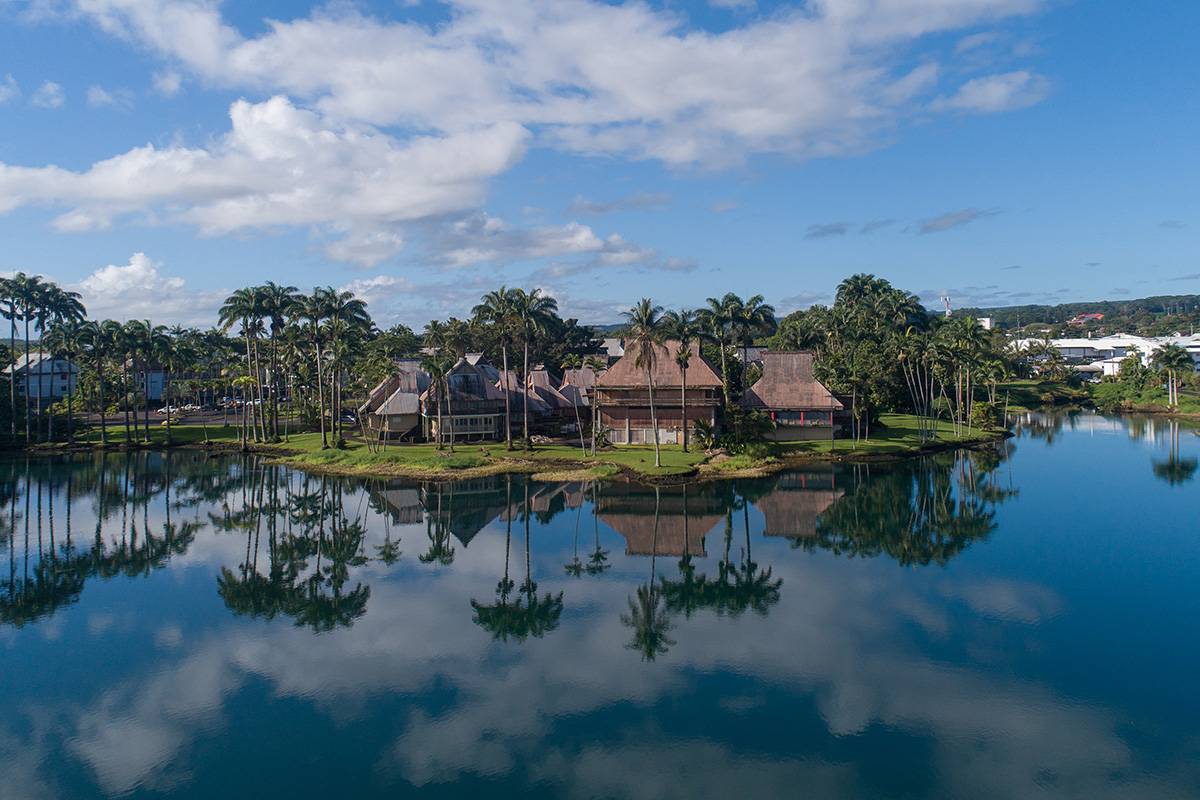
x=826 y=230
x=9 y=89
x=139 y=290
x=955 y=219
x=49 y=95
x=589 y=76
x=481 y=238
x=987 y=95
x=641 y=200
x=280 y=165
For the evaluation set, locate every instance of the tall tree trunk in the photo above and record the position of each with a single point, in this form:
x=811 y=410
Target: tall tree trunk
x=103 y=407
x=525 y=396
x=167 y=387
x=146 y=400
x=653 y=417
x=12 y=373
x=320 y=394
x=125 y=403
x=507 y=399
x=724 y=373
x=449 y=411
x=683 y=405
x=28 y=380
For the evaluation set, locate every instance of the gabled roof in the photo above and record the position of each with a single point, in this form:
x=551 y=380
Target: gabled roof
x=627 y=374
x=583 y=378
x=787 y=382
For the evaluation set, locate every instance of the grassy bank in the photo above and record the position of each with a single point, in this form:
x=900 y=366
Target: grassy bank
x=897 y=436
x=1031 y=395
x=1119 y=396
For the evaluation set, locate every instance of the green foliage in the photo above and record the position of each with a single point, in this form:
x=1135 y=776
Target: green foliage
x=985 y=415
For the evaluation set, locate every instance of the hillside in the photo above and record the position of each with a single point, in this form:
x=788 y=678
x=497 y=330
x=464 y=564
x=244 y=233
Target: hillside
x=1154 y=316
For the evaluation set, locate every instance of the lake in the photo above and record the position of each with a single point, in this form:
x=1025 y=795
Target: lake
x=1018 y=621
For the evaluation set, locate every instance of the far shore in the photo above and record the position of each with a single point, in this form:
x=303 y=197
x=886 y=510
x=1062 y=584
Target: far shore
x=896 y=439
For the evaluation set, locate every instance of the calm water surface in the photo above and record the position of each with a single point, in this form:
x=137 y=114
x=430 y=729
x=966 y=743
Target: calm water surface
x=1012 y=623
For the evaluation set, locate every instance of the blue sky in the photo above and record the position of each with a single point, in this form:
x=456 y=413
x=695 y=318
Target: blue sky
x=156 y=154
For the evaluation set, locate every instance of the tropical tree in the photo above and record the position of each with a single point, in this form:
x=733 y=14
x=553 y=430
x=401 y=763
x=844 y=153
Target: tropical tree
x=1171 y=360
x=575 y=362
x=438 y=367
x=644 y=332
x=244 y=307
x=719 y=319
x=752 y=318
x=532 y=311
x=67 y=339
x=685 y=327
x=278 y=303
x=496 y=308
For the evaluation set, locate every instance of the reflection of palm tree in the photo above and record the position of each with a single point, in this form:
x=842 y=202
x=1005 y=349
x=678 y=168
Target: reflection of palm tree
x=575 y=567
x=598 y=560
x=1176 y=470
x=647 y=615
x=437 y=528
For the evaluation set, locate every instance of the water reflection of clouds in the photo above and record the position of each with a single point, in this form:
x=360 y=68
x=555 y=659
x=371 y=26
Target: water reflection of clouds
x=836 y=634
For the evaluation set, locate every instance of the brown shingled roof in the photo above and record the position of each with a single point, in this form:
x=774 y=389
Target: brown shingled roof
x=787 y=382
x=625 y=373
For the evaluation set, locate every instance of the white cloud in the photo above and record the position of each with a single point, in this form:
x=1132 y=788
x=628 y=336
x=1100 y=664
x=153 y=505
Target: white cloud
x=9 y=89
x=993 y=93
x=139 y=290
x=168 y=83
x=99 y=97
x=280 y=165
x=49 y=95
x=588 y=76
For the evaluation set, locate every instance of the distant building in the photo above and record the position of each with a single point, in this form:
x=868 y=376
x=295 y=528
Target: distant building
x=48 y=378
x=799 y=405
x=622 y=397
x=612 y=348
x=1083 y=319
x=987 y=323
x=1105 y=353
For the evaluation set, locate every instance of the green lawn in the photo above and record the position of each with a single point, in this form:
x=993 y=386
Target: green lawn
x=897 y=435
x=1030 y=395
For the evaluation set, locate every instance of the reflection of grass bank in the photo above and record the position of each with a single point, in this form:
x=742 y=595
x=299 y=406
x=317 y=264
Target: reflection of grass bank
x=896 y=437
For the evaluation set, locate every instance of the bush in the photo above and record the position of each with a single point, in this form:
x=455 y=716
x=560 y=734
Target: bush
x=985 y=415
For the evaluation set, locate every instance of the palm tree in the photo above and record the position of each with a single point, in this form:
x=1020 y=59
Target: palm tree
x=1173 y=359
x=685 y=327
x=94 y=341
x=438 y=367
x=244 y=306
x=719 y=318
x=278 y=303
x=313 y=309
x=10 y=296
x=753 y=318
x=28 y=291
x=58 y=306
x=532 y=311
x=348 y=318
x=67 y=339
x=496 y=308
x=644 y=332
x=575 y=362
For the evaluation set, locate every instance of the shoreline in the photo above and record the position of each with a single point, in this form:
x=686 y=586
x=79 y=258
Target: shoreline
x=390 y=463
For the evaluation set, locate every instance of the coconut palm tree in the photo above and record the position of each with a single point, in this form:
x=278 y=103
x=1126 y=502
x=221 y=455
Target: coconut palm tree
x=531 y=311
x=719 y=318
x=685 y=327
x=753 y=318
x=438 y=367
x=244 y=307
x=644 y=332
x=278 y=303
x=313 y=309
x=575 y=362
x=1172 y=360
x=67 y=339
x=29 y=291
x=348 y=319
x=496 y=309
x=10 y=297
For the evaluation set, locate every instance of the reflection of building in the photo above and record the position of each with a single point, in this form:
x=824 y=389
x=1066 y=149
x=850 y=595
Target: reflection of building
x=684 y=518
x=465 y=507
x=623 y=397
x=795 y=503
x=404 y=503
x=799 y=405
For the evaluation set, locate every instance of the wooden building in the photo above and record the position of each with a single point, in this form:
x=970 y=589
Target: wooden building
x=799 y=405
x=393 y=408
x=474 y=412
x=622 y=397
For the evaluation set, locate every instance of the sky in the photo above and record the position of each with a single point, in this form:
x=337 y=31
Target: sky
x=156 y=154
